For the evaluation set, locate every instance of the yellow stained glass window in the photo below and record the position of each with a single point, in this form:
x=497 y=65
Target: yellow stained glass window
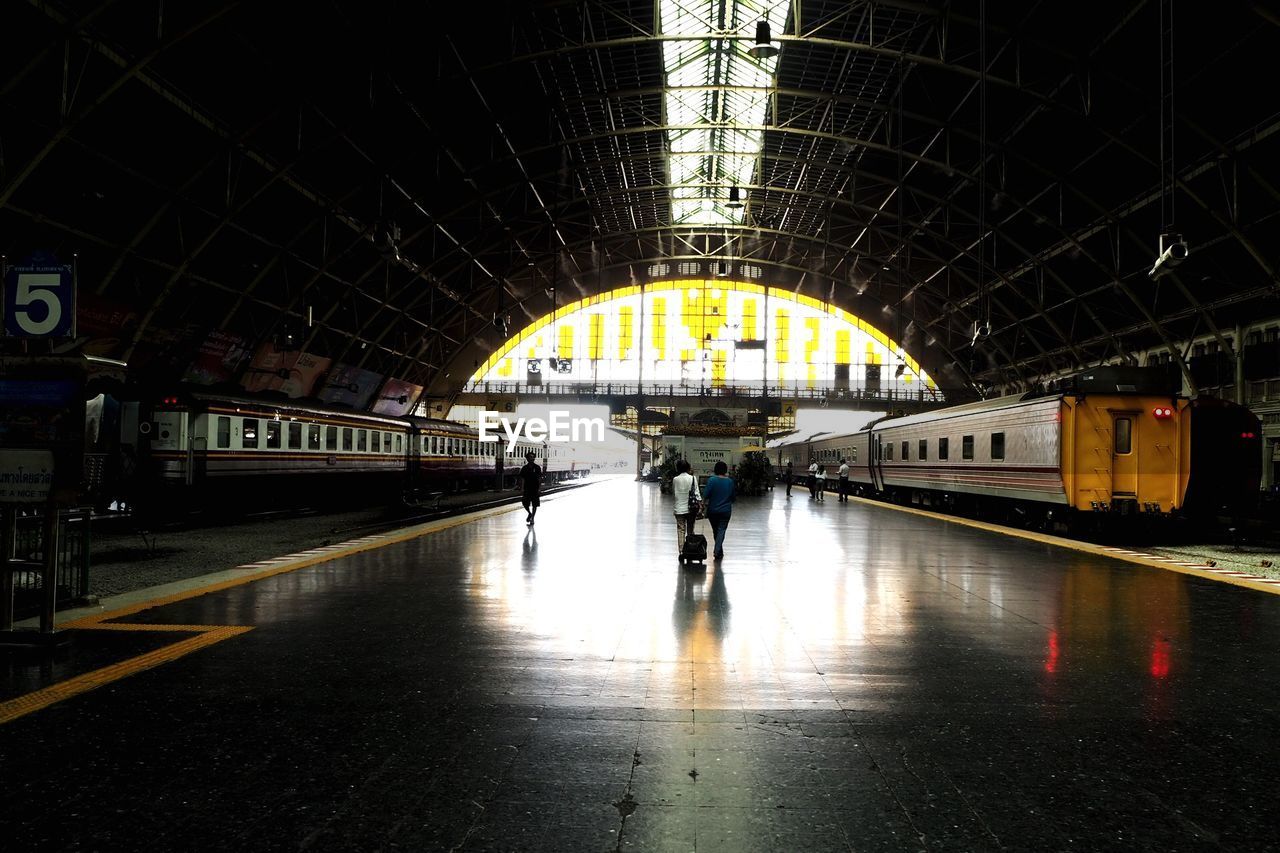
x=704 y=333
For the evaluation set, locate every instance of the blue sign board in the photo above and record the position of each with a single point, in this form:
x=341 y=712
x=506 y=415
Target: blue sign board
x=39 y=301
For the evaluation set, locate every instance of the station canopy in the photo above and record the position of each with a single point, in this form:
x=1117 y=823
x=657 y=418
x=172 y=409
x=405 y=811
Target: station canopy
x=363 y=202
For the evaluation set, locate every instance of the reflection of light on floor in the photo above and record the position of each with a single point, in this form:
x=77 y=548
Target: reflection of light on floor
x=1160 y=657
x=1051 y=662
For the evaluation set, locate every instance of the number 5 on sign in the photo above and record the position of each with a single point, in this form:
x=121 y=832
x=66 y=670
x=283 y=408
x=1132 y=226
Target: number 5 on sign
x=39 y=301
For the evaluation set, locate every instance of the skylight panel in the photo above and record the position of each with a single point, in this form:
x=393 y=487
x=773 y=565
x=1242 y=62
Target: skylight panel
x=714 y=83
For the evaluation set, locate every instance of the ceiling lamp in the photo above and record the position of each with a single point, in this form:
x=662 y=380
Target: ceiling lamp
x=762 y=49
x=735 y=199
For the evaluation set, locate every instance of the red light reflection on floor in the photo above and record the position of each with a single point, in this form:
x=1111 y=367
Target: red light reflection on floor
x=1051 y=663
x=1160 y=657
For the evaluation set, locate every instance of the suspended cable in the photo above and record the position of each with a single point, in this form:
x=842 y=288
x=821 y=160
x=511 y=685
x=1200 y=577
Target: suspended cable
x=1167 y=172
x=984 y=298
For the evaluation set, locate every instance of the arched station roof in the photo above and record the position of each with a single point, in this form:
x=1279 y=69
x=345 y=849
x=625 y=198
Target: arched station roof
x=395 y=187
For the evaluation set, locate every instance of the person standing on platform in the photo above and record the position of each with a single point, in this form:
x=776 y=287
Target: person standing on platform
x=683 y=486
x=820 y=484
x=844 y=480
x=720 y=497
x=813 y=481
x=790 y=475
x=531 y=478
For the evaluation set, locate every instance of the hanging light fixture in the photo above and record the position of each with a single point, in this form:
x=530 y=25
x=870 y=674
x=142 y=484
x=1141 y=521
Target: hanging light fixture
x=763 y=49
x=735 y=199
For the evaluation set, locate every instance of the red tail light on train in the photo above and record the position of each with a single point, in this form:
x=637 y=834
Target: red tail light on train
x=1162 y=412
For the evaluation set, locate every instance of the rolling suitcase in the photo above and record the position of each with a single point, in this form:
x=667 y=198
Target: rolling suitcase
x=694 y=550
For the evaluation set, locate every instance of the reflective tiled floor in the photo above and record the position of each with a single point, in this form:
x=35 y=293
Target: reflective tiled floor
x=851 y=678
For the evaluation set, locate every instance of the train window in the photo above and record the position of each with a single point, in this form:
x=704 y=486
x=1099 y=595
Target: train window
x=313 y=436
x=1124 y=435
x=347 y=438
x=966 y=447
x=386 y=442
x=249 y=436
x=295 y=436
x=853 y=455
x=274 y=430
x=1273 y=334
x=905 y=456
x=224 y=432
x=997 y=445
x=888 y=451
x=331 y=438
x=362 y=440
x=924 y=450
x=943 y=447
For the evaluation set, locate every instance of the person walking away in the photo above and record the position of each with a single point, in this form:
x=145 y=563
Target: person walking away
x=844 y=480
x=684 y=485
x=789 y=475
x=820 y=481
x=813 y=481
x=720 y=497
x=531 y=478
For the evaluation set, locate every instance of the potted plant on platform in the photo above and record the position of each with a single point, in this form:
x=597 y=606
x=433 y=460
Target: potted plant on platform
x=754 y=474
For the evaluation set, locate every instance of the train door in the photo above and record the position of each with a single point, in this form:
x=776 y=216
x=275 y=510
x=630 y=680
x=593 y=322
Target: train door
x=873 y=463
x=1124 y=455
x=197 y=449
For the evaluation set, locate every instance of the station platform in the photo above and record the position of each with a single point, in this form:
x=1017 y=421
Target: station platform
x=850 y=677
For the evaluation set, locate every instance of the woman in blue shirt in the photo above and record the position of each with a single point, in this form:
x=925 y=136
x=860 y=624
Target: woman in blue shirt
x=719 y=495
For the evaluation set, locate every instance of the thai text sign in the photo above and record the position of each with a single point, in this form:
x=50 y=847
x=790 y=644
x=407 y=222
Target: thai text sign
x=26 y=476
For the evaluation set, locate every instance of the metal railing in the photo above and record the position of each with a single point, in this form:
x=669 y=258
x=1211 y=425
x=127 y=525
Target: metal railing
x=918 y=394
x=24 y=566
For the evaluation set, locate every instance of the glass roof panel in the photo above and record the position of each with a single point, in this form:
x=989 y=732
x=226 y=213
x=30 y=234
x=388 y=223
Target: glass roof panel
x=713 y=81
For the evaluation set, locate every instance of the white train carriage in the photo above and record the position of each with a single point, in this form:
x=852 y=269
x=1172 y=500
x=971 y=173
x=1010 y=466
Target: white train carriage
x=1006 y=448
x=1115 y=450
x=211 y=442
x=449 y=455
x=202 y=450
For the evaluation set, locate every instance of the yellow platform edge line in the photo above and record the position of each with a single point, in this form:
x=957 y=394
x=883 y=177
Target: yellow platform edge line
x=148 y=626
x=1074 y=545
x=207 y=634
x=382 y=542
x=39 y=699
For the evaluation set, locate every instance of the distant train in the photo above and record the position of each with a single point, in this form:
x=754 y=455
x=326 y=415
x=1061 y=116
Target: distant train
x=1100 y=443
x=204 y=449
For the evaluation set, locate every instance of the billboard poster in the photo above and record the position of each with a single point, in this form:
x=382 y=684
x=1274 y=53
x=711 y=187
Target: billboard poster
x=218 y=359
x=396 y=397
x=292 y=373
x=103 y=323
x=349 y=386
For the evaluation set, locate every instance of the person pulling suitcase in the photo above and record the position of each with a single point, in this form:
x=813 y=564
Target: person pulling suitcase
x=692 y=546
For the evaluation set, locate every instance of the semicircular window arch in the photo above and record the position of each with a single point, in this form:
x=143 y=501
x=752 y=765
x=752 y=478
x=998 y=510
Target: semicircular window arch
x=704 y=334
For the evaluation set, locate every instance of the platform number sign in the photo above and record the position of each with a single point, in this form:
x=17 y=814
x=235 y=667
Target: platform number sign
x=39 y=301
